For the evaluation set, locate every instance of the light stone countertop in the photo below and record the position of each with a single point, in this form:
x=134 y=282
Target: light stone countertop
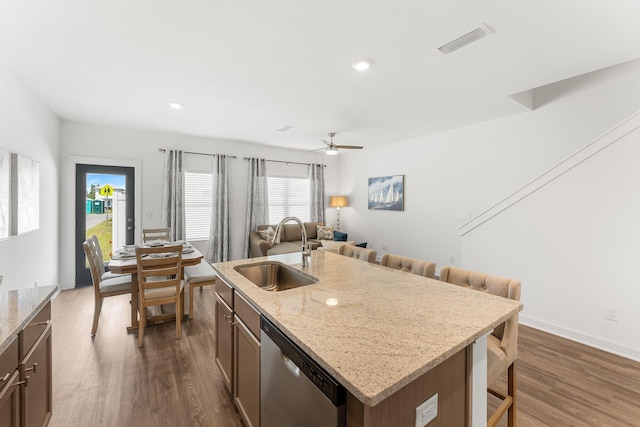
x=388 y=328
x=18 y=308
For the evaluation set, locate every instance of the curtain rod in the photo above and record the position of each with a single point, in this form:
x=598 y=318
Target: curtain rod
x=287 y=162
x=193 y=152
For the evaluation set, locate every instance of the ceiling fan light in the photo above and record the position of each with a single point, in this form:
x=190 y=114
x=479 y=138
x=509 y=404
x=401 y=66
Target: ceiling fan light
x=331 y=151
x=362 y=64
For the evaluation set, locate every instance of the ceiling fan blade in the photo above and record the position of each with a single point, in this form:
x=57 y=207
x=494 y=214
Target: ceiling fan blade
x=326 y=142
x=318 y=149
x=351 y=147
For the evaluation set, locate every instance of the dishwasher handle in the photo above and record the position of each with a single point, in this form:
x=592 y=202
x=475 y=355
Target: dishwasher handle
x=290 y=365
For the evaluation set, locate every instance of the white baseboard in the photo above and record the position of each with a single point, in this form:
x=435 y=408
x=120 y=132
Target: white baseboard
x=604 y=345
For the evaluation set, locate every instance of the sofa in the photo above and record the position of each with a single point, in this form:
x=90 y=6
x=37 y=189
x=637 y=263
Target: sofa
x=290 y=239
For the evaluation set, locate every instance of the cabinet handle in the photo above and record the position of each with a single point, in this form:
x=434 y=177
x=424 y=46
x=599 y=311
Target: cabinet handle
x=6 y=377
x=45 y=323
x=25 y=382
x=227 y=317
x=235 y=323
x=34 y=368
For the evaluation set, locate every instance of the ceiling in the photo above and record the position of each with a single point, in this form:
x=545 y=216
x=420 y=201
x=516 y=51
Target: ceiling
x=244 y=68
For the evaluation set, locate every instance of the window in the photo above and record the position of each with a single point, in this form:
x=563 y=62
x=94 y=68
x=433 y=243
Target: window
x=288 y=197
x=198 y=199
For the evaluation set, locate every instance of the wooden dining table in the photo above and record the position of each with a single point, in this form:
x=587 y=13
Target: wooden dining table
x=130 y=266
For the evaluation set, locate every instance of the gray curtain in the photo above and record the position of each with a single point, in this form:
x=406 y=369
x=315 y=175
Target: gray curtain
x=173 y=194
x=257 y=200
x=316 y=186
x=219 y=238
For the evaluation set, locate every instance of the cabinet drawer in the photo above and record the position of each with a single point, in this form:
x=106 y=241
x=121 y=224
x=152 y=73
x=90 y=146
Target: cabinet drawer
x=31 y=333
x=249 y=315
x=8 y=363
x=225 y=291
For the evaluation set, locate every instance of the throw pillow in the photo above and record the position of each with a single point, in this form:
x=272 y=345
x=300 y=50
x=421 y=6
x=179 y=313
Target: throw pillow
x=325 y=233
x=267 y=234
x=339 y=236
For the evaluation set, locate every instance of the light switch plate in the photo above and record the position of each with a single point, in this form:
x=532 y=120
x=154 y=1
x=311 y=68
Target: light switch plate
x=427 y=411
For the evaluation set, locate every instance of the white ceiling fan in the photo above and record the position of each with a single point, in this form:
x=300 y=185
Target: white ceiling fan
x=332 y=149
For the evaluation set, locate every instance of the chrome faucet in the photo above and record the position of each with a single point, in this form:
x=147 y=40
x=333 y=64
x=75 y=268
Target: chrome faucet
x=305 y=250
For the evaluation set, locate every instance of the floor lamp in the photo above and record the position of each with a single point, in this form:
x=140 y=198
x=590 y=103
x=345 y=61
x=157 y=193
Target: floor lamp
x=338 y=202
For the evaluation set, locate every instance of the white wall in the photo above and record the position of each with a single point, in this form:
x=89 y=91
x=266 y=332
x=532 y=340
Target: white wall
x=575 y=244
x=121 y=146
x=28 y=127
x=469 y=169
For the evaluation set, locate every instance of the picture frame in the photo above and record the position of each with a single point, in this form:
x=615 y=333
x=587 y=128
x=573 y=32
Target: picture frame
x=25 y=194
x=386 y=193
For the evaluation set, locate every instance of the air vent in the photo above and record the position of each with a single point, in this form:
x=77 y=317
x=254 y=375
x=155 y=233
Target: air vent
x=464 y=40
x=283 y=128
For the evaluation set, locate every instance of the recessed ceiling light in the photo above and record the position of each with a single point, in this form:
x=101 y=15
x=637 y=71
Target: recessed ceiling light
x=362 y=64
x=175 y=105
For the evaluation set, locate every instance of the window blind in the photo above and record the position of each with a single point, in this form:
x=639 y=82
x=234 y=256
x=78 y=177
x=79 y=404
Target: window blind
x=288 y=197
x=198 y=194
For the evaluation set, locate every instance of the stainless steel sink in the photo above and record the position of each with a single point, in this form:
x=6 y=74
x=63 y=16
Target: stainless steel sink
x=275 y=276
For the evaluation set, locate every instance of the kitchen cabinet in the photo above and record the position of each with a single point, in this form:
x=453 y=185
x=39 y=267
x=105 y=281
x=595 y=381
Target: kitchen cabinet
x=238 y=350
x=9 y=386
x=25 y=375
x=35 y=370
x=224 y=341
x=246 y=375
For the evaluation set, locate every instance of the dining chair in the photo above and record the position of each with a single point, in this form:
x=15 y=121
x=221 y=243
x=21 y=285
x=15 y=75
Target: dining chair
x=410 y=265
x=502 y=344
x=103 y=288
x=105 y=274
x=159 y=282
x=198 y=276
x=149 y=234
x=358 y=252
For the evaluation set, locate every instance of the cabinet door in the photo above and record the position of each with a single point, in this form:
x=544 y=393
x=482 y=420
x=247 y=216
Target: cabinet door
x=246 y=378
x=37 y=398
x=224 y=341
x=9 y=401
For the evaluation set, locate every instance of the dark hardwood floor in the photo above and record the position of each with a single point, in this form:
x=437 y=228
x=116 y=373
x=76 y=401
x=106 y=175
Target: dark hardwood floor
x=109 y=381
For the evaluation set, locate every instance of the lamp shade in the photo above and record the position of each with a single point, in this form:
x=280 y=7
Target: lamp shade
x=338 y=201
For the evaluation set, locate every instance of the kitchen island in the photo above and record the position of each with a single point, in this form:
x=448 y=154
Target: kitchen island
x=387 y=336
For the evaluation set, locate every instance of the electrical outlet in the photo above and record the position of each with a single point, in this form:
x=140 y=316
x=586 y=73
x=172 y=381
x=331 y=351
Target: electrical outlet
x=611 y=313
x=385 y=247
x=36 y=283
x=452 y=259
x=427 y=411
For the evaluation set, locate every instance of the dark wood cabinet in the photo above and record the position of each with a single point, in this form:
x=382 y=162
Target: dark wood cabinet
x=25 y=375
x=238 y=350
x=37 y=391
x=246 y=375
x=224 y=341
x=9 y=386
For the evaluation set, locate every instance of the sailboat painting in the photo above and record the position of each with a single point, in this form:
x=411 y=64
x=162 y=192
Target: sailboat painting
x=386 y=193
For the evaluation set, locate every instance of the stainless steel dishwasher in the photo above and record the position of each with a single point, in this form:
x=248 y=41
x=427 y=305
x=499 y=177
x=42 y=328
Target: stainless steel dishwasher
x=294 y=390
